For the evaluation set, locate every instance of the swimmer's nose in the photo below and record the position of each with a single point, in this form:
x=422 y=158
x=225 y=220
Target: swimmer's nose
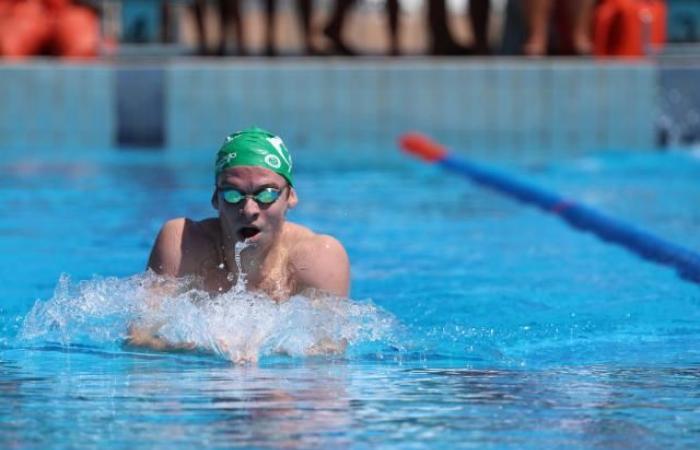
x=250 y=209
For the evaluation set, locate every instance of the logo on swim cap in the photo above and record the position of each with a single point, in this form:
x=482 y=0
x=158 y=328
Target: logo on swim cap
x=255 y=147
x=273 y=161
x=224 y=161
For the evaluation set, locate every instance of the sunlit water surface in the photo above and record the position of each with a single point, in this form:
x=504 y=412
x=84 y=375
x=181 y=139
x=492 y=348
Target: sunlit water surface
x=474 y=322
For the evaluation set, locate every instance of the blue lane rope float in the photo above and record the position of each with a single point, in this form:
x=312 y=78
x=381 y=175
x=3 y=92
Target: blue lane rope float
x=643 y=243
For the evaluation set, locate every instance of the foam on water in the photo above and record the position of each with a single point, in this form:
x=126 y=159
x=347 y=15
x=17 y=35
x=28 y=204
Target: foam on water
x=236 y=325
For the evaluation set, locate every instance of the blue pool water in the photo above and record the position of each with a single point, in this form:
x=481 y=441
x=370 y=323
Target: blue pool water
x=476 y=322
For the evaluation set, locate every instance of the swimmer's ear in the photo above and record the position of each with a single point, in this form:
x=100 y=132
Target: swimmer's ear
x=215 y=200
x=292 y=199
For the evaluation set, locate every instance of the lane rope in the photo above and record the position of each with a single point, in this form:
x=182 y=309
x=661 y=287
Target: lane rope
x=582 y=217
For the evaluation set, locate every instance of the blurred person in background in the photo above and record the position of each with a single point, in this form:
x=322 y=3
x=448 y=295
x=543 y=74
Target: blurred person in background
x=48 y=27
x=231 y=22
x=336 y=24
x=576 y=32
x=479 y=12
x=229 y=15
x=441 y=40
x=304 y=12
x=629 y=28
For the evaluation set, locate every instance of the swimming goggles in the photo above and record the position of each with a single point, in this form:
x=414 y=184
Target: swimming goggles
x=265 y=196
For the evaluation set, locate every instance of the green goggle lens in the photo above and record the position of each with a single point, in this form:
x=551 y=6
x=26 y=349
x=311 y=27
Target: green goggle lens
x=264 y=197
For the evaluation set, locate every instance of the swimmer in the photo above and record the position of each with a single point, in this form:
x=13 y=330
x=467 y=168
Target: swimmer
x=253 y=190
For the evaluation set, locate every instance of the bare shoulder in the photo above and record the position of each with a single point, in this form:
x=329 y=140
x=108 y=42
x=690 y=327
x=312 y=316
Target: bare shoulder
x=309 y=247
x=318 y=261
x=180 y=246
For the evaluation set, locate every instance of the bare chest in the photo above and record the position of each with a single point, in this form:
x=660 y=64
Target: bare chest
x=277 y=281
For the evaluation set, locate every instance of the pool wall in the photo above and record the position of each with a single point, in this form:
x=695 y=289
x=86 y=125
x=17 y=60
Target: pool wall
x=490 y=107
x=56 y=106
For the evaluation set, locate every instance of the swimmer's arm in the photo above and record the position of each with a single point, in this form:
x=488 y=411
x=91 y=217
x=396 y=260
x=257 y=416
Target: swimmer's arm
x=325 y=345
x=322 y=267
x=146 y=335
x=322 y=264
x=167 y=254
x=147 y=338
x=175 y=253
x=165 y=259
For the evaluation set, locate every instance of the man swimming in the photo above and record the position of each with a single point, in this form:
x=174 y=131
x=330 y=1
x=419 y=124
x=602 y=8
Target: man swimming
x=252 y=192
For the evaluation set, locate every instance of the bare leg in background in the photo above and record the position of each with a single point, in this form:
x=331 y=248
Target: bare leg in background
x=334 y=29
x=199 y=10
x=304 y=11
x=230 y=11
x=479 y=14
x=581 y=39
x=270 y=22
x=538 y=14
x=393 y=9
x=441 y=40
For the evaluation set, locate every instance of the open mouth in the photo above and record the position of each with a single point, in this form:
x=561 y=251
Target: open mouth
x=248 y=232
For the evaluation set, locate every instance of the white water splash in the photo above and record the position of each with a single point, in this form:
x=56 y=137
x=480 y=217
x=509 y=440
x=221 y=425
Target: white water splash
x=241 y=283
x=239 y=326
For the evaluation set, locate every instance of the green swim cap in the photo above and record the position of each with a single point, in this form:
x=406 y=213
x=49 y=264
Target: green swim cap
x=255 y=147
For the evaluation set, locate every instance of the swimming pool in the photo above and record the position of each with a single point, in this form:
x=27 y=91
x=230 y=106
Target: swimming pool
x=477 y=322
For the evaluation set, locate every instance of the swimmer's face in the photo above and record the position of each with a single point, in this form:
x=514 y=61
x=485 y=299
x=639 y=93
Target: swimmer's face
x=254 y=221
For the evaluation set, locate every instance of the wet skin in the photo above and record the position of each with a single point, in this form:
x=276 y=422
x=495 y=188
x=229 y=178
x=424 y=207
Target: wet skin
x=282 y=258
